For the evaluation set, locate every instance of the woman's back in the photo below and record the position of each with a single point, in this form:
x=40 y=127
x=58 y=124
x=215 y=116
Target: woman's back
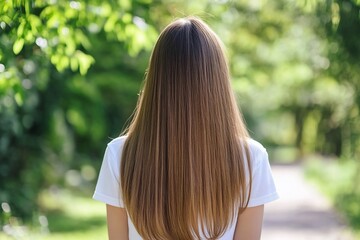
x=108 y=190
x=185 y=169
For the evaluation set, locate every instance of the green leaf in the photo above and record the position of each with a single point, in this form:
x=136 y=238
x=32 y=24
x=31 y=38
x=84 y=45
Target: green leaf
x=19 y=99
x=18 y=45
x=35 y=23
x=27 y=7
x=110 y=23
x=21 y=28
x=6 y=19
x=63 y=63
x=125 y=4
x=85 y=62
x=74 y=64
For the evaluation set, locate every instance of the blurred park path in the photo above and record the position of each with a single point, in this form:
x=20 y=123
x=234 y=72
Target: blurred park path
x=301 y=213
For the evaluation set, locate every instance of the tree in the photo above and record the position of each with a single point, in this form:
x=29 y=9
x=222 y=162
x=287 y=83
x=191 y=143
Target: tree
x=45 y=52
x=338 y=23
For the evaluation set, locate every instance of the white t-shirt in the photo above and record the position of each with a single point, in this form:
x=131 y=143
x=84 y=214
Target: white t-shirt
x=108 y=184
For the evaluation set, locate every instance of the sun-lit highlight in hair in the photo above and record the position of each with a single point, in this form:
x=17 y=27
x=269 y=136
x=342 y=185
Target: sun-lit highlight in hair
x=185 y=167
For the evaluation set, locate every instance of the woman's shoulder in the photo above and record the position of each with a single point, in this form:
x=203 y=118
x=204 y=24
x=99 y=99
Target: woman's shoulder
x=255 y=146
x=116 y=145
x=258 y=152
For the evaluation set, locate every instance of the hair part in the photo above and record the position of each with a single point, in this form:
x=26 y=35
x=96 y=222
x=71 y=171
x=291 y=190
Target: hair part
x=185 y=167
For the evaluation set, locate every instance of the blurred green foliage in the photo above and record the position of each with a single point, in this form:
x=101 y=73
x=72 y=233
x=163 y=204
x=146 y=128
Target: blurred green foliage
x=342 y=191
x=53 y=118
x=70 y=72
x=298 y=82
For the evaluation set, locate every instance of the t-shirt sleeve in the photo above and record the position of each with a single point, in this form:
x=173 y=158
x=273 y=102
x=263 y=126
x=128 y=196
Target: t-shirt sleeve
x=263 y=186
x=108 y=185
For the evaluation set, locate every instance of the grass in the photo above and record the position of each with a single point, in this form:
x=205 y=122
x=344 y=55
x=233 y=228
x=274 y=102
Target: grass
x=339 y=181
x=69 y=216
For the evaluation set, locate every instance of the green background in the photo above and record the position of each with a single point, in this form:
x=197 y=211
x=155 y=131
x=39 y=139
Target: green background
x=70 y=73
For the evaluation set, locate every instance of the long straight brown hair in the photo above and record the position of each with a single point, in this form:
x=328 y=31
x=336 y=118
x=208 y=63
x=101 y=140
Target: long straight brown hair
x=185 y=167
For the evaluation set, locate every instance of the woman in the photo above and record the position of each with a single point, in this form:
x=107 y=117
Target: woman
x=186 y=168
